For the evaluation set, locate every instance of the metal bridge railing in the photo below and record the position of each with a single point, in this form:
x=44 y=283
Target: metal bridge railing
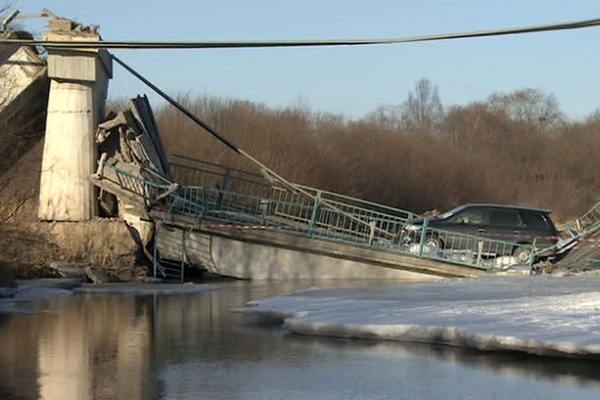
x=470 y=250
x=318 y=217
x=572 y=233
x=331 y=216
x=192 y=172
x=201 y=173
x=149 y=188
x=591 y=219
x=585 y=225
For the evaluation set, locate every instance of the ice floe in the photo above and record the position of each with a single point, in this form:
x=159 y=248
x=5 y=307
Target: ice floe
x=544 y=315
x=136 y=289
x=18 y=299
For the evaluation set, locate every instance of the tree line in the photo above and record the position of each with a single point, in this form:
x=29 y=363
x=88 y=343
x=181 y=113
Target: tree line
x=511 y=148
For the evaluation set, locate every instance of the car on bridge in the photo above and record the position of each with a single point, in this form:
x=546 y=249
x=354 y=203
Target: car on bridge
x=530 y=229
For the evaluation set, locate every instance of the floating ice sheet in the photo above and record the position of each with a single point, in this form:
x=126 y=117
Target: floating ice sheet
x=544 y=315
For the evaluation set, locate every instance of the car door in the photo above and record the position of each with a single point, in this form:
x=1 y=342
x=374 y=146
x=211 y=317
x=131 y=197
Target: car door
x=504 y=224
x=469 y=221
x=538 y=228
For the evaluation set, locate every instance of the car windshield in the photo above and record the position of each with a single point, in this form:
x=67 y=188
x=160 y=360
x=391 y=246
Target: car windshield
x=450 y=213
x=447 y=214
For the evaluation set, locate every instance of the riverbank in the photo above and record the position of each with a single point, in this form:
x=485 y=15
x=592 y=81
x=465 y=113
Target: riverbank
x=32 y=250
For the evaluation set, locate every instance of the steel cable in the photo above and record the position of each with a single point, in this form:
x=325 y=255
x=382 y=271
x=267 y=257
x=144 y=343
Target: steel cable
x=132 y=45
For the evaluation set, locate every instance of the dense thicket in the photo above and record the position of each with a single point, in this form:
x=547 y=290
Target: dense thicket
x=511 y=148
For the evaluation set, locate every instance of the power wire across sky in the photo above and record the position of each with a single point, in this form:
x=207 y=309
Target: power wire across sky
x=140 y=45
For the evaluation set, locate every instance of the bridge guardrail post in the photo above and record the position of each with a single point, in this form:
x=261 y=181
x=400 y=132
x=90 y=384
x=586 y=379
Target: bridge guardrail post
x=204 y=200
x=155 y=250
x=263 y=207
x=372 y=226
x=225 y=180
x=423 y=236
x=184 y=238
x=315 y=212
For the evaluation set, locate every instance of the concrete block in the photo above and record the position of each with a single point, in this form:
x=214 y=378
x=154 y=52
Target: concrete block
x=73 y=65
x=60 y=25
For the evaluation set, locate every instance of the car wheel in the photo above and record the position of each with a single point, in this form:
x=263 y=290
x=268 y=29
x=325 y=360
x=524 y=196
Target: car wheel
x=433 y=241
x=433 y=244
x=523 y=254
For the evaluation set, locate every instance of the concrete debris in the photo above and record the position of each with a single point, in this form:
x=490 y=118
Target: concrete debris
x=69 y=270
x=130 y=140
x=96 y=275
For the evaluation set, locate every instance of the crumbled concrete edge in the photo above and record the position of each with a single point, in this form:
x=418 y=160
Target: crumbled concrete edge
x=145 y=289
x=28 y=292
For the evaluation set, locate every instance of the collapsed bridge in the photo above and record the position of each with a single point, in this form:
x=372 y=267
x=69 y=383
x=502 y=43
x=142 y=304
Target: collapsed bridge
x=229 y=222
x=253 y=226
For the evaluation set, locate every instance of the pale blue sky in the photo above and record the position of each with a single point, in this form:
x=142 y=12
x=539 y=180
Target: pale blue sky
x=352 y=81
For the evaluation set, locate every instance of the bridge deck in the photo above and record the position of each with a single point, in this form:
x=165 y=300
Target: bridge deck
x=263 y=236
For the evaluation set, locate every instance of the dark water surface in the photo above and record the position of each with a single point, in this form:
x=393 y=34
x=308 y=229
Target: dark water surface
x=193 y=347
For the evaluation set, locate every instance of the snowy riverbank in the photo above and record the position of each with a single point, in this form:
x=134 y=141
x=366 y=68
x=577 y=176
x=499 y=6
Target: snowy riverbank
x=543 y=315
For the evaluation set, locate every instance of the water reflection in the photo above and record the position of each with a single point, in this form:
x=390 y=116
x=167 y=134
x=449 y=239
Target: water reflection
x=510 y=365
x=179 y=346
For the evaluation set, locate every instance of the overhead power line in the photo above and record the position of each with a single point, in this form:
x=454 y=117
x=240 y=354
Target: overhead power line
x=297 y=43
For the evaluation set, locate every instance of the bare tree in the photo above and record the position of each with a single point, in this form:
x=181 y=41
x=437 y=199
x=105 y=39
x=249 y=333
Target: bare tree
x=388 y=117
x=594 y=117
x=423 y=110
x=530 y=106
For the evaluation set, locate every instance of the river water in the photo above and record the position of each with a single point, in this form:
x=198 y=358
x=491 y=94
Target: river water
x=194 y=347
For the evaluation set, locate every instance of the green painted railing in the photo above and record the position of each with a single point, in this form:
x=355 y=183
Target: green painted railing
x=573 y=233
x=585 y=225
x=471 y=250
x=320 y=215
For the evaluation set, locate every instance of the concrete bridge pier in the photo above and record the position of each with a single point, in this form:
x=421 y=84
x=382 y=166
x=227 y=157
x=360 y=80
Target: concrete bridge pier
x=78 y=89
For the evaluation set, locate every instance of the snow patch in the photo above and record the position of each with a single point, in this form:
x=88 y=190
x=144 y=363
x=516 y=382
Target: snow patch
x=541 y=315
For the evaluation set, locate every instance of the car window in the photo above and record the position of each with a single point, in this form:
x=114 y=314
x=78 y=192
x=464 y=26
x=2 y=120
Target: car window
x=470 y=216
x=534 y=220
x=504 y=218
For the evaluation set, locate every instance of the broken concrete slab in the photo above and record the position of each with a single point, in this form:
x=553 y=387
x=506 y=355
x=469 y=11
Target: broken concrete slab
x=69 y=270
x=96 y=275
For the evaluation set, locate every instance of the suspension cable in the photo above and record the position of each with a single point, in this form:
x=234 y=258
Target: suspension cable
x=268 y=173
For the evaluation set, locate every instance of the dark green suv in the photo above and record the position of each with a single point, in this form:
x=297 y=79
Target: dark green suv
x=515 y=224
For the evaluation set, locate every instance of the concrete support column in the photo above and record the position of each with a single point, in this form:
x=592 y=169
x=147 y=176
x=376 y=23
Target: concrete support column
x=79 y=83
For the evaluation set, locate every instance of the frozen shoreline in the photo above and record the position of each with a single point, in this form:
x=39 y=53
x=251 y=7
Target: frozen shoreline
x=542 y=315
x=28 y=291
